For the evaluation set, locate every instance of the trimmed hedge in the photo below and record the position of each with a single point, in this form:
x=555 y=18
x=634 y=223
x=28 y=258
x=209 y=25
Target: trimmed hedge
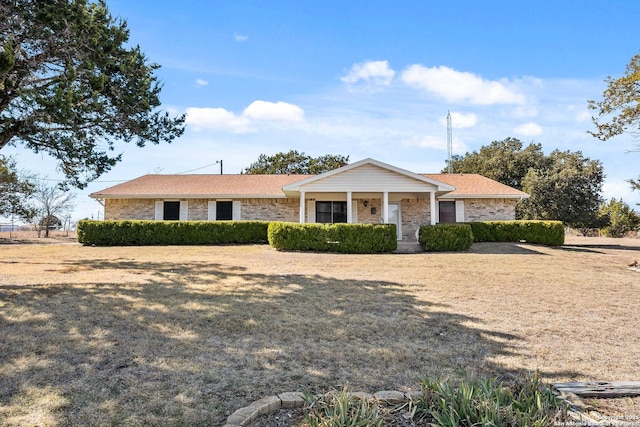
x=543 y=232
x=150 y=233
x=445 y=237
x=343 y=238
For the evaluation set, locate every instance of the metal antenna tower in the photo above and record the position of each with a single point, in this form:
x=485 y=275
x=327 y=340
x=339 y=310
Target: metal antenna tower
x=449 y=141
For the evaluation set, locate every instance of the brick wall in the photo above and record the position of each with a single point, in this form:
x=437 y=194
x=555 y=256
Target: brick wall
x=120 y=209
x=252 y=209
x=415 y=213
x=489 y=209
x=271 y=209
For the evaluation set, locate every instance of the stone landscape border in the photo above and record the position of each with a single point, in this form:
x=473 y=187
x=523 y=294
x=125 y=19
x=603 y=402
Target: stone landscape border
x=580 y=413
x=265 y=406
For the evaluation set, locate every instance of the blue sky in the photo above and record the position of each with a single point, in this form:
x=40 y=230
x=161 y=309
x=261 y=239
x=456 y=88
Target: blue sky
x=374 y=79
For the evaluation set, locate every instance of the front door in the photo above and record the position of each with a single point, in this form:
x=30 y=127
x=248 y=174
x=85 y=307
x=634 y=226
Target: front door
x=395 y=218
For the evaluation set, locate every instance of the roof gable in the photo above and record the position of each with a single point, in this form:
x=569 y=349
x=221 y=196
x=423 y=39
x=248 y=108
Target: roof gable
x=368 y=175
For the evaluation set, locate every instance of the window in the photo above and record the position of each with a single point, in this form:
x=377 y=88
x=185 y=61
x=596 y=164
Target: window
x=331 y=212
x=447 y=211
x=224 y=211
x=171 y=211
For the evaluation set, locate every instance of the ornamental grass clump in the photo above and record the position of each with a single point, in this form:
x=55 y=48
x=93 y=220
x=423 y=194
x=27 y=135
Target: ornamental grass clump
x=524 y=401
x=340 y=409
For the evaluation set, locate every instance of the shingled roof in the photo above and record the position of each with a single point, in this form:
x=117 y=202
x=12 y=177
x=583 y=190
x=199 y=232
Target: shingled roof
x=270 y=186
x=471 y=185
x=194 y=186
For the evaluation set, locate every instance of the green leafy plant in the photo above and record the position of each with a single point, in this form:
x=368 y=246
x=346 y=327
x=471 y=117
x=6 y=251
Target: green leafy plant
x=445 y=237
x=532 y=231
x=148 y=233
x=340 y=409
x=621 y=219
x=522 y=401
x=343 y=238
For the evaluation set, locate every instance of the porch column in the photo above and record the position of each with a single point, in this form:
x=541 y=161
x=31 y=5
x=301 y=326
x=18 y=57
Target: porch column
x=349 y=207
x=432 y=207
x=302 y=206
x=385 y=207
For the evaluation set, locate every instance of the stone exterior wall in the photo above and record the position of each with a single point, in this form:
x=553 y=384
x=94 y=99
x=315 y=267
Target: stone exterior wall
x=271 y=209
x=120 y=209
x=251 y=209
x=489 y=209
x=414 y=213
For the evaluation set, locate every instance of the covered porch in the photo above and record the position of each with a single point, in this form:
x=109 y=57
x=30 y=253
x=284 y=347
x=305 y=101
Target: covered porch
x=369 y=192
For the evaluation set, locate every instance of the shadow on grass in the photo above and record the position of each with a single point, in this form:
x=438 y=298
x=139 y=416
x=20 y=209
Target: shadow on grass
x=594 y=248
x=504 y=248
x=201 y=340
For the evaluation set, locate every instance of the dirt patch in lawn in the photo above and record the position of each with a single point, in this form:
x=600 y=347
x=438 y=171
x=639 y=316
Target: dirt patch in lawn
x=187 y=335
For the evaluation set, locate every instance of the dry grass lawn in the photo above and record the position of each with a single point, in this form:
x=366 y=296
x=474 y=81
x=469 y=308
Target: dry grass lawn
x=187 y=335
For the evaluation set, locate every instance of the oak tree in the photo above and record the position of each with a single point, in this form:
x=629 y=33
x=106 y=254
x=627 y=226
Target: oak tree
x=71 y=86
x=294 y=162
x=15 y=191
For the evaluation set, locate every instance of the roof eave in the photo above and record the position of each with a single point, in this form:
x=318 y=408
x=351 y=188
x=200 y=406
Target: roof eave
x=187 y=196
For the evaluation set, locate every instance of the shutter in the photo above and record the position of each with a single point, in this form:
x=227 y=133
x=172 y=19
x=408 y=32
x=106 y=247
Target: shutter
x=311 y=211
x=211 y=210
x=159 y=215
x=236 y=214
x=354 y=212
x=459 y=210
x=184 y=210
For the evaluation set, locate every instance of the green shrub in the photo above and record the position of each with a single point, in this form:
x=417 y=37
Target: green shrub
x=524 y=401
x=340 y=409
x=149 y=233
x=620 y=218
x=445 y=237
x=344 y=238
x=531 y=231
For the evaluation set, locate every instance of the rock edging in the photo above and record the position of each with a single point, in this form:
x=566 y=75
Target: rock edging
x=265 y=406
x=579 y=413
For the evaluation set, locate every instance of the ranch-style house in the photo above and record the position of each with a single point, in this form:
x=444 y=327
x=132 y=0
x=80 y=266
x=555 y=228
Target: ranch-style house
x=367 y=191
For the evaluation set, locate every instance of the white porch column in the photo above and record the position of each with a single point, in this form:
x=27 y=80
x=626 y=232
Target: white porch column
x=432 y=207
x=385 y=207
x=349 y=207
x=302 y=206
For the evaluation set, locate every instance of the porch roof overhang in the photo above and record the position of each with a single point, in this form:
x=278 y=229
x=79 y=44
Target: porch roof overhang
x=367 y=176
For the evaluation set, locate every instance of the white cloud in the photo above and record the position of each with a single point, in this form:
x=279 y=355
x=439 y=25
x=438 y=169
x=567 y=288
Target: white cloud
x=460 y=120
x=216 y=119
x=456 y=86
x=240 y=38
x=583 y=116
x=529 y=129
x=200 y=82
x=372 y=73
x=258 y=111
x=274 y=111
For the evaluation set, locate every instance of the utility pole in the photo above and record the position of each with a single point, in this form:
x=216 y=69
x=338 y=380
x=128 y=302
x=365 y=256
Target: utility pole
x=449 y=141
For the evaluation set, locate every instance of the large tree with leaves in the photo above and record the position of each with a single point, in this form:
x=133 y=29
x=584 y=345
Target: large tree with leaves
x=15 y=191
x=506 y=161
x=618 y=111
x=564 y=185
x=294 y=162
x=70 y=86
x=569 y=190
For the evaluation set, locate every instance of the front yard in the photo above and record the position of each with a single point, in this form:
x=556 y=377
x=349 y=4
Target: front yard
x=187 y=335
